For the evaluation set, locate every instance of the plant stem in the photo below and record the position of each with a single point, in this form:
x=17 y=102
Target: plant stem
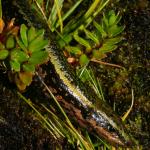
x=105 y=63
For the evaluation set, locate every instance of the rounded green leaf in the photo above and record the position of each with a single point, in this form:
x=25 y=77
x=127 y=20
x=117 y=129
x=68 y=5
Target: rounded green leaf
x=107 y=48
x=18 y=55
x=38 y=57
x=37 y=44
x=23 y=34
x=112 y=18
x=10 y=42
x=40 y=32
x=28 y=67
x=21 y=45
x=83 y=60
x=73 y=50
x=3 y=54
x=31 y=34
x=15 y=66
x=115 y=30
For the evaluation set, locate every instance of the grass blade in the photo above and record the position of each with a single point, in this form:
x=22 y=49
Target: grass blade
x=129 y=110
x=56 y=10
x=91 y=9
x=58 y=7
x=70 y=11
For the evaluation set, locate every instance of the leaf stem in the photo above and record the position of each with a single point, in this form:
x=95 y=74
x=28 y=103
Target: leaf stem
x=105 y=63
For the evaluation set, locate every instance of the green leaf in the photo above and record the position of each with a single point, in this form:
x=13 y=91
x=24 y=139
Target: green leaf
x=37 y=8
x=64 y=40
x=59 y=7
x=20 y=43
x=15 y=65
x=37 y=44
x=53 y=15
x=38 y=57
x=100 y=29
x=18 y=55
x=28 y=67
x=92 y=8
x=112 y=41
x=107 y=48
x=83 y=60
x=105 y=20
x=34 y=34
x=10 y=42
x=69 y=12
x=91 y=36
x=73 y=50
x=31 y=34
x=3 y=54
x=23 y=34
x=40 y=32
x=112 y=18
x=83 y=74
x=40 y=2
x=81 y=40
x=115 y=30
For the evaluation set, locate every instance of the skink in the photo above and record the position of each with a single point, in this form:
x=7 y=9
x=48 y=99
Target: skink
x=76 y=98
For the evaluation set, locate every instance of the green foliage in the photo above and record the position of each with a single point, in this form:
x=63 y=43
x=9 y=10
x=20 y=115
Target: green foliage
x=87 y=75
x=10 y=42
x=51 y=12
x=3 y=54
x=18 y=55
x=23 y=51
x=83 y=60
x=96 y=42
x=75 y=36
